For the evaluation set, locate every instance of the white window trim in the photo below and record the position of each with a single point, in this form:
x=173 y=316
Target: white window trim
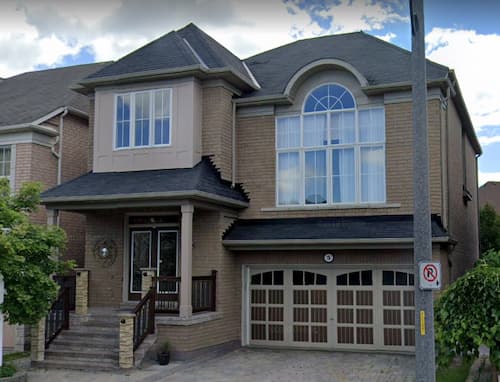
x=132 y=95
x=301 y=149
x=12 y=175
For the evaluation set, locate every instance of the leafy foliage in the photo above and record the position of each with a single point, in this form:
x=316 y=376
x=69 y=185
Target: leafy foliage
x=489 y=229
x=468 y=313
x=7 y=370
x=28 y=256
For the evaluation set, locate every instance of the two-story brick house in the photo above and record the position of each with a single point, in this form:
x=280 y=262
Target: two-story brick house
x=289 y=173
x=44 y=138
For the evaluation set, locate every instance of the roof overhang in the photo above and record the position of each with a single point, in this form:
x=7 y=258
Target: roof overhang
x=325 y=244
x=199 y=71
x=150 y=199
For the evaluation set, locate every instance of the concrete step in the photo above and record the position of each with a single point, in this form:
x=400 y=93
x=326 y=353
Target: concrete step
x=69 y=352
x=69 y=363
x=89 y=335
x=84 y=342
x=89 y=329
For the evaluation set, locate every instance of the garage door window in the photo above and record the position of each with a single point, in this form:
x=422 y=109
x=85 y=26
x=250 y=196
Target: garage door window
x=398 y=300
x=266 y=306
x=355 y=308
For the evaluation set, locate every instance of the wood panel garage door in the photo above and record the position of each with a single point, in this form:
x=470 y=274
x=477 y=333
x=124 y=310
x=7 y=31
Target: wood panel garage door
x=366 y=309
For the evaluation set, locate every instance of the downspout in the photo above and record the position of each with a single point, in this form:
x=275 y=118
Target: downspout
x=233 y=155
x=60 y=156
x=61 y=135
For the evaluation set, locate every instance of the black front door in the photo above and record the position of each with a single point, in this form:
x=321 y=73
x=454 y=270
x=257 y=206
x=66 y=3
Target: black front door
x=152 y=248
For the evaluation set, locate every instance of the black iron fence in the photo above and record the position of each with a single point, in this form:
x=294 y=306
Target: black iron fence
x=68 y=281
x=144 y=320
x=58 y=317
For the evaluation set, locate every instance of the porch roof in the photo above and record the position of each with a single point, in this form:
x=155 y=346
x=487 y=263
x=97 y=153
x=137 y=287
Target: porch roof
x=202 y=182
x=325 y=232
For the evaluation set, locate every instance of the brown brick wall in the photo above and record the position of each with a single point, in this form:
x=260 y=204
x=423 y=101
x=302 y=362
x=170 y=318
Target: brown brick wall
x=90 y=149
x=463 y=219
x=105 y=283
x=43 y=170
x=256 y=163
x=217 y=128
x=489 y=193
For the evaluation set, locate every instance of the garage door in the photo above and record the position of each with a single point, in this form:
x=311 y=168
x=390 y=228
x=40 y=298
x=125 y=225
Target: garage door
x=332 y=309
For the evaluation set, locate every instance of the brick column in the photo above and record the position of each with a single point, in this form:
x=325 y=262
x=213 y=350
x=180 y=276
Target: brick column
x=82 y=291
x=186 y=308
x=147 y=280
x=126 y=355
x=38 y=341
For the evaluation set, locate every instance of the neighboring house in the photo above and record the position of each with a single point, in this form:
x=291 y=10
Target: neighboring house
x=489 y=193
x=44 y=138
x=289 y=173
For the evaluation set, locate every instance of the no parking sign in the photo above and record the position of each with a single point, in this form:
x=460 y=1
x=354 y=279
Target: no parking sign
x=430 y=275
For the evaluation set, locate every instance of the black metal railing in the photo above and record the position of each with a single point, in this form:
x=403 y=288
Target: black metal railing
x=68 y=281
x=144 y=320
x=203 y=293
x=58 y=317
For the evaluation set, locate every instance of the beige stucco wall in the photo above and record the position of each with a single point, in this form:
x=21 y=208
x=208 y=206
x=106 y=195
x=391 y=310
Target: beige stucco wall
x=185 y=148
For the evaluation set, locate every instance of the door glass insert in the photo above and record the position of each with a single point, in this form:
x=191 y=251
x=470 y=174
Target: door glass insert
x=167 y=260
x=141 y=257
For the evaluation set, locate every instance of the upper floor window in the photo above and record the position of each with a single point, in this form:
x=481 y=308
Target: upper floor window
x=332 y=152
x=143 y=118
x=5 y=161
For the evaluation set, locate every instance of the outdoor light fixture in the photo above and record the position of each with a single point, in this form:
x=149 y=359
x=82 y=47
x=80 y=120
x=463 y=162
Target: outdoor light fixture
x=104 y=252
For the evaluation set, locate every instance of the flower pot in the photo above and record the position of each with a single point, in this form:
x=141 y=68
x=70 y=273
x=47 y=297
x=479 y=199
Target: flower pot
x=163 y=358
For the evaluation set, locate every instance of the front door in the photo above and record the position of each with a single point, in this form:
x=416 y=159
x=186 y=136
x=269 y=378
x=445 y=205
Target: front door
x=152 y=247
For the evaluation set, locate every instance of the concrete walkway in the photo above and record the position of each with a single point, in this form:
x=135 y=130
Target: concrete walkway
x=249 y=365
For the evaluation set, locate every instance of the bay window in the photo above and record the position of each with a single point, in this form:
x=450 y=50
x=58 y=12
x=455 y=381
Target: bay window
x=143 y=119
x=332 y=153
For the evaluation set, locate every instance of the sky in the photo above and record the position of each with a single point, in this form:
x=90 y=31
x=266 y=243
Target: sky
x=463 y=35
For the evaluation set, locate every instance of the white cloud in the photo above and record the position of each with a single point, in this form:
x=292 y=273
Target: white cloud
x=42 y=32
x=476 y=59
x=484 y=177
x=388 y=37
x=485 y=141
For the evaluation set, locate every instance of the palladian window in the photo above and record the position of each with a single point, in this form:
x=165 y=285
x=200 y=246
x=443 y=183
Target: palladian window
x=332 y=153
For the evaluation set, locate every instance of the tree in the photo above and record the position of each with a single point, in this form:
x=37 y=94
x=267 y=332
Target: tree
x=489 y=229
x=468 y=313
x=28 y=256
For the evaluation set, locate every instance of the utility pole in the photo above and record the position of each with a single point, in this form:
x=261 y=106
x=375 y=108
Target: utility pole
x=422 y=248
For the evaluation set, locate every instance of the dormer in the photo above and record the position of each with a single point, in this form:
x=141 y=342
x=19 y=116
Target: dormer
x=149 y=105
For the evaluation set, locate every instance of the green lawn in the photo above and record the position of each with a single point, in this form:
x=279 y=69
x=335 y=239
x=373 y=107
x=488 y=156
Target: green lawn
x=455 y=373
x=12 y=356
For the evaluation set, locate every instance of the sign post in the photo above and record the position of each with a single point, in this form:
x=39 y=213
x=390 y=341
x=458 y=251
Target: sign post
x=425 y=364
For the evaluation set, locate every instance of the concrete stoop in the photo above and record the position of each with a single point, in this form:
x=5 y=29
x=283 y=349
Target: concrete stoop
x=91 y=343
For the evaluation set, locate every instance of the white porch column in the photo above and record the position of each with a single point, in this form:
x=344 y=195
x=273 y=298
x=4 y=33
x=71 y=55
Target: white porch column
x=186 y=308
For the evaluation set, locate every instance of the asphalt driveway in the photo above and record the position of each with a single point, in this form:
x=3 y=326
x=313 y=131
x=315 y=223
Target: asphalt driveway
x=262 y=365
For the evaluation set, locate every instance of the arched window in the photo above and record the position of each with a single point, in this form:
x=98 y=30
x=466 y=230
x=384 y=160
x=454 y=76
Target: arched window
x=333 y=152
x=329 y=97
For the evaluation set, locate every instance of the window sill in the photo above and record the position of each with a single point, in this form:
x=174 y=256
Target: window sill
x=332 y=207
x=142 y=147
x=197 y=318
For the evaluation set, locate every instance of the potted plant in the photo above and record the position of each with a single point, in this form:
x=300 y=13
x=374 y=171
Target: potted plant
x=164 y=354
